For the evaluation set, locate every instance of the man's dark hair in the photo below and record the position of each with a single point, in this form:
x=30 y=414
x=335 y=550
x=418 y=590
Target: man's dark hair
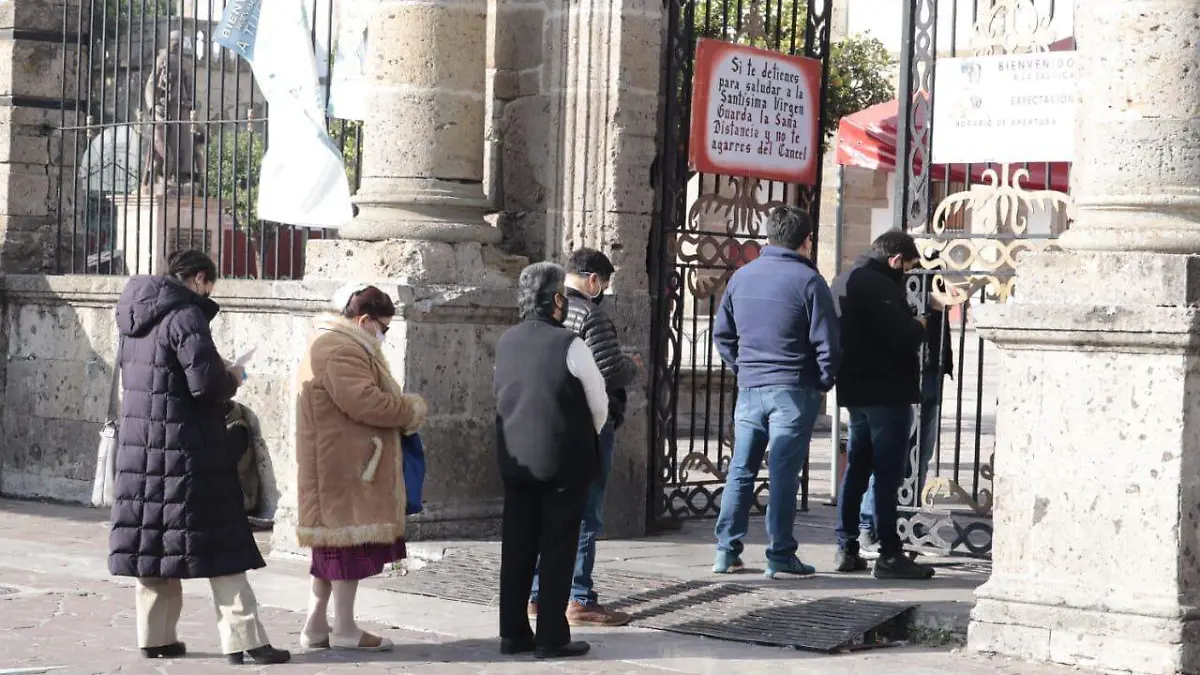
x=788 y=226
x=893 y=243
x=585 y=261
x=371 y=302
x=537 y=287
x=185 y=265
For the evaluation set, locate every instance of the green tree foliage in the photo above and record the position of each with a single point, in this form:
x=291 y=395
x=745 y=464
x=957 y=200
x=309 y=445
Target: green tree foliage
x=858 y=78
x=858 y=65
x=234 y=161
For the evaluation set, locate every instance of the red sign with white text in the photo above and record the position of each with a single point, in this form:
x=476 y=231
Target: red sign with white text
x=755 y=113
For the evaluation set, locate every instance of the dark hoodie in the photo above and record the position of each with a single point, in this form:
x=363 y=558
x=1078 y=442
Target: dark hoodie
x=881 y=339
x=177 y=506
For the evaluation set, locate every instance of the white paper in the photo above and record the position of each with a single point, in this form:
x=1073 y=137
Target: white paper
x=245 y=358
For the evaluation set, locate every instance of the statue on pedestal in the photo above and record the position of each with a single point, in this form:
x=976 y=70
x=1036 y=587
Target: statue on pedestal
x=168 y=98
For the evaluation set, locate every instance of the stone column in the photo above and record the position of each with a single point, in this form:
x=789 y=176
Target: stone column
x=1097 y=511
x=575 y=101
x=37 y=80
x=420 y=235
x=422 y=168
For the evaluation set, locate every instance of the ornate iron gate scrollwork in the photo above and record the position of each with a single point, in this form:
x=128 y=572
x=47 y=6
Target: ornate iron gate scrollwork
x=972 y=236
x=707 y=227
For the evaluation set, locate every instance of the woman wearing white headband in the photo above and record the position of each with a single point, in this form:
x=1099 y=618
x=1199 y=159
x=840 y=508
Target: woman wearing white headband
x=350 y=417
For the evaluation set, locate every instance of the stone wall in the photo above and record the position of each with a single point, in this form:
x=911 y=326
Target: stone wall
x=59 y=344
x=59 y=340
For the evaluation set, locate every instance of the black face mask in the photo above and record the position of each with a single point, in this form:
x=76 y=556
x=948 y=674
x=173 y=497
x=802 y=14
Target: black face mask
x=599 y=299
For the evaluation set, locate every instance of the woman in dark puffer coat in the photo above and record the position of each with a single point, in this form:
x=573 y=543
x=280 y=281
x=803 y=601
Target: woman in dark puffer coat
x=177 y=505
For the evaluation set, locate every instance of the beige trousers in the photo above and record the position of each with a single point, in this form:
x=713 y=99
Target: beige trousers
x=160 y=602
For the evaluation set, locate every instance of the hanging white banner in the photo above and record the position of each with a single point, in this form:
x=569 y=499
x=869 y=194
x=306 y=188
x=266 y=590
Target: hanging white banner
x=302 y=179
x=348 y=76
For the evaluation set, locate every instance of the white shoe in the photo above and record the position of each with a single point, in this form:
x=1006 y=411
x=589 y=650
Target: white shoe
x=355 y=642
x=308 y=641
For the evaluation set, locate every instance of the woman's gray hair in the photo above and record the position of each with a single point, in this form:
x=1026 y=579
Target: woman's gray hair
x=536 y=289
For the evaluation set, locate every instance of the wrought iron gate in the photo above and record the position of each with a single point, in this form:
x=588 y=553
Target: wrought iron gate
x=708 y=226
x=973 y=223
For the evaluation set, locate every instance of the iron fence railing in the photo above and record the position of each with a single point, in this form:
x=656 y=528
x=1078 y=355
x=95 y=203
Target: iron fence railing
x=162 y=145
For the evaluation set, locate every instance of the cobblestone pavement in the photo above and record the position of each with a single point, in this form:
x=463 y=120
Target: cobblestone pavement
x=59 y=609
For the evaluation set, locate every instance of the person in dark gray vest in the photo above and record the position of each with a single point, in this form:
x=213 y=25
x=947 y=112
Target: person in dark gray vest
x=550 y=407
x=589 y=273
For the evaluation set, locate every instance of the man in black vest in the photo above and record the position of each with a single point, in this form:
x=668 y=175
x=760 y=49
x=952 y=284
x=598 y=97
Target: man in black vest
x=551 y=405
x=589 y=272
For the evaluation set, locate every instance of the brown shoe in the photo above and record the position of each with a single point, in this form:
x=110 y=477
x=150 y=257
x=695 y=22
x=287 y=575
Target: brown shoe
x=595 y=615
x=531 y=612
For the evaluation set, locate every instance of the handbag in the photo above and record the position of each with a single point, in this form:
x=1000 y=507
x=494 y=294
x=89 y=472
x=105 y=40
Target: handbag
x=106 y=451
x=413 y=452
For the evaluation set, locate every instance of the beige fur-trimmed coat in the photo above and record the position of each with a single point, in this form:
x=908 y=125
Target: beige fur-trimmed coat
x=350 y=414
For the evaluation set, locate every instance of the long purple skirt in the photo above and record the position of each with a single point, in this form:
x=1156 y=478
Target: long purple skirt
x=353 y=563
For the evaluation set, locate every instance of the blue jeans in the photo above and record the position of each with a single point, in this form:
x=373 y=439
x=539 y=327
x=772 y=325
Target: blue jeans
x=931 y=407
x=582 y=591
x=777 y=422
x=878 y=445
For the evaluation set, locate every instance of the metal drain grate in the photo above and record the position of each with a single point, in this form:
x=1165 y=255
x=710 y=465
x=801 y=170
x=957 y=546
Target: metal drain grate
x=724 y=611
x=825 y=625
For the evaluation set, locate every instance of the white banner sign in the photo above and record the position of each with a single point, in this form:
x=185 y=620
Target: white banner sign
x=1008 y=109
x=348 y=84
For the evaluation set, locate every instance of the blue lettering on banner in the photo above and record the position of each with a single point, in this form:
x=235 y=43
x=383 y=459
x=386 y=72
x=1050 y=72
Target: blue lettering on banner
x=239 y=26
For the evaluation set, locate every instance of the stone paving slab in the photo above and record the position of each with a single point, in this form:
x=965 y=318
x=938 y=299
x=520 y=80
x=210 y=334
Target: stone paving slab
x=67 y=611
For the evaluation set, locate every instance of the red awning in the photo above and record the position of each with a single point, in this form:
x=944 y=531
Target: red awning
x=867 y=139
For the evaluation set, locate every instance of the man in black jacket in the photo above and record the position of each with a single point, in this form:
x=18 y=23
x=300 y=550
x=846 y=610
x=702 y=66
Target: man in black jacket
x=879 y=383
x=934 y=368
x=550 y=408
x=589 y=273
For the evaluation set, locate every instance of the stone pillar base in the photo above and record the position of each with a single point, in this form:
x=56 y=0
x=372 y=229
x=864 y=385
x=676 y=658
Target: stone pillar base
x=1097 y=512
x=412 y=262
x=453 y=302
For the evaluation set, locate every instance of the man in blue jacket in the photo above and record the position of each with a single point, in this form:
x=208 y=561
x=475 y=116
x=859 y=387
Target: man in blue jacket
x=777 y=330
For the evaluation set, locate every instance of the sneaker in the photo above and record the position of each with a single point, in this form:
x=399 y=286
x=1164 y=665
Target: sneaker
x=727 y=563
x=595 y=615
x=850 y=561
x=793 y=566
x=900 y=567
x=532 y=610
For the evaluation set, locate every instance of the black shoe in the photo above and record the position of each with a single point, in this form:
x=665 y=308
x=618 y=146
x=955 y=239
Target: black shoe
x=564 y=652
x=263 y=655
x=850 y=561
x=511 y=646
x=175 y=650
x=898 y=566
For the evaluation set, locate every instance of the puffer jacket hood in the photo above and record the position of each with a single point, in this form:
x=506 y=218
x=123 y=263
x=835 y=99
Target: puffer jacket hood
x=147 y=299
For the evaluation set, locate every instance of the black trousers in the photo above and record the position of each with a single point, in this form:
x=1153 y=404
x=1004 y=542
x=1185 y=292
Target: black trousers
x=541 y=521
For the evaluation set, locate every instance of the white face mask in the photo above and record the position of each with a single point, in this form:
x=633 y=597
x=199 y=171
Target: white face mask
x=379 y=335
